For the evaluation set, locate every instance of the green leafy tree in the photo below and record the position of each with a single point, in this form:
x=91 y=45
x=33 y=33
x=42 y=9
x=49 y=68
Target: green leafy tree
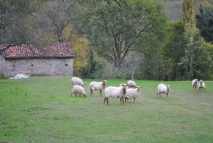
x=204 y=22
x=117 y=27
x=197 y=58
x=173 y=51
x=15 y=27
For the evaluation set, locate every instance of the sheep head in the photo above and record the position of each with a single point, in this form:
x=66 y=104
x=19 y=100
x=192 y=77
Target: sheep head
x=195 y=82
x=168 y=88
x=201 y=83
x=104 y=83
x=138 y=88
x=124 y=86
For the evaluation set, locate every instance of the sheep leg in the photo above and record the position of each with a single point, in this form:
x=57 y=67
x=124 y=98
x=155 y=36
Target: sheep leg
x=106 y=99
x=91 y=91
x=101 y=92
x=121 y=101
x=125 y=99
x=134 y=99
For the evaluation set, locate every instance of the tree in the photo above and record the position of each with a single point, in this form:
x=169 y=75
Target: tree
x=114 y=27
x=131 y=63
x=81 y=49
x=197 y=58
x=60 y=18
x=173 y=51
x=14 y=16
x=191 y=35
x=204 y=22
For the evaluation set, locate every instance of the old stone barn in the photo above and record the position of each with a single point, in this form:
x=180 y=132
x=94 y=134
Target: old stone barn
x=31 y=60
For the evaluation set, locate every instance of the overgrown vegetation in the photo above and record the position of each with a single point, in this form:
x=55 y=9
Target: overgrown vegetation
x=40 y=109
x=132 y=38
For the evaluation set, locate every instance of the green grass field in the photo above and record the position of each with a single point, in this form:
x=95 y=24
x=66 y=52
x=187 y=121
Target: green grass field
x=40 y=109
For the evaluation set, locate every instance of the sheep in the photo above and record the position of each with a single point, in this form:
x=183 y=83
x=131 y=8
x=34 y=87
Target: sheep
x=77 y=89
x=194 y=83
x=162 y=88
x=77 y=81
x=131 y=83
x=115 y=92
x=97 y=86
x=132 y=93
x=201 y=85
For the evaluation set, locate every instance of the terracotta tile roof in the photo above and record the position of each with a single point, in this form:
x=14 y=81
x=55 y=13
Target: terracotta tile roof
x=62 y=50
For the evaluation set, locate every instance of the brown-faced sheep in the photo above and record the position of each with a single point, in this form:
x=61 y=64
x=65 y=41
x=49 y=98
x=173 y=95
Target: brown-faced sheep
x=115 y=92
x=201 y=85
x=162 y=88
x=97 y=86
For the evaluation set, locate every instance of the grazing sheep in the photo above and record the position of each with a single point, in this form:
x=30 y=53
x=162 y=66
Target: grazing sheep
x=131 y=83
x=162 y=88
x=194 y=83
x=201 y=85
x=97 y=86
x=77 y=81
x=115 y=92
x=132 y=93
x=77 y=89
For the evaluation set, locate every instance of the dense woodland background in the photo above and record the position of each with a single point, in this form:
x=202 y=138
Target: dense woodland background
x=131 y=39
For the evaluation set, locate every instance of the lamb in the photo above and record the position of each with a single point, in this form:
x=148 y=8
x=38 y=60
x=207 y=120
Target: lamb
x=97 y=86
x=77 y=89
x=201 y=85
x=131 y=83
x=77 y=81
x=115 y=92
x=194 y=83
x=132 y=93
x=162 y=88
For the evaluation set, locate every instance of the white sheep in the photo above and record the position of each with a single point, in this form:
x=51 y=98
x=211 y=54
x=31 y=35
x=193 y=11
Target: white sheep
x=201 y=85
x=194 y=83
x=97 y=86
x=162 y=88
x=132 y=93
x=115 y=92
x=77 y=81
x=131 y=83
x=77 y=89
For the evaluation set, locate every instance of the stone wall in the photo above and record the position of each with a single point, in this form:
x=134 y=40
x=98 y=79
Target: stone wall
x=1 y=64
x=57 y=66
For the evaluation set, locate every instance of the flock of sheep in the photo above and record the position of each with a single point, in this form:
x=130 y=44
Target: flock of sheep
x=200 y=84
x=125 y=92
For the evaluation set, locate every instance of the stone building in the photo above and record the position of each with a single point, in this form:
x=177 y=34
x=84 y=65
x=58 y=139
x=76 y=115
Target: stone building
x=27 y=59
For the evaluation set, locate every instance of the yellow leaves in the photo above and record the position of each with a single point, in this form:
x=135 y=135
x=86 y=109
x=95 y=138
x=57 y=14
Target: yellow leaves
x=188 y=11
x=69 y=33
x=81 y=51
x=208 y=3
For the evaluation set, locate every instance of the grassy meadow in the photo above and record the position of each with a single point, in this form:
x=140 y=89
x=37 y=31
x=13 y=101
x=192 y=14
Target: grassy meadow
x=40 y=109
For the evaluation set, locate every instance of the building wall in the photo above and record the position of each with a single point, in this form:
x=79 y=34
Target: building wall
x=62 y=66
x=1 y=64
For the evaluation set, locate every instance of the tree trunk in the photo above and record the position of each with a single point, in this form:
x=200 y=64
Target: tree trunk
x=117 y=72
x=133 y=73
